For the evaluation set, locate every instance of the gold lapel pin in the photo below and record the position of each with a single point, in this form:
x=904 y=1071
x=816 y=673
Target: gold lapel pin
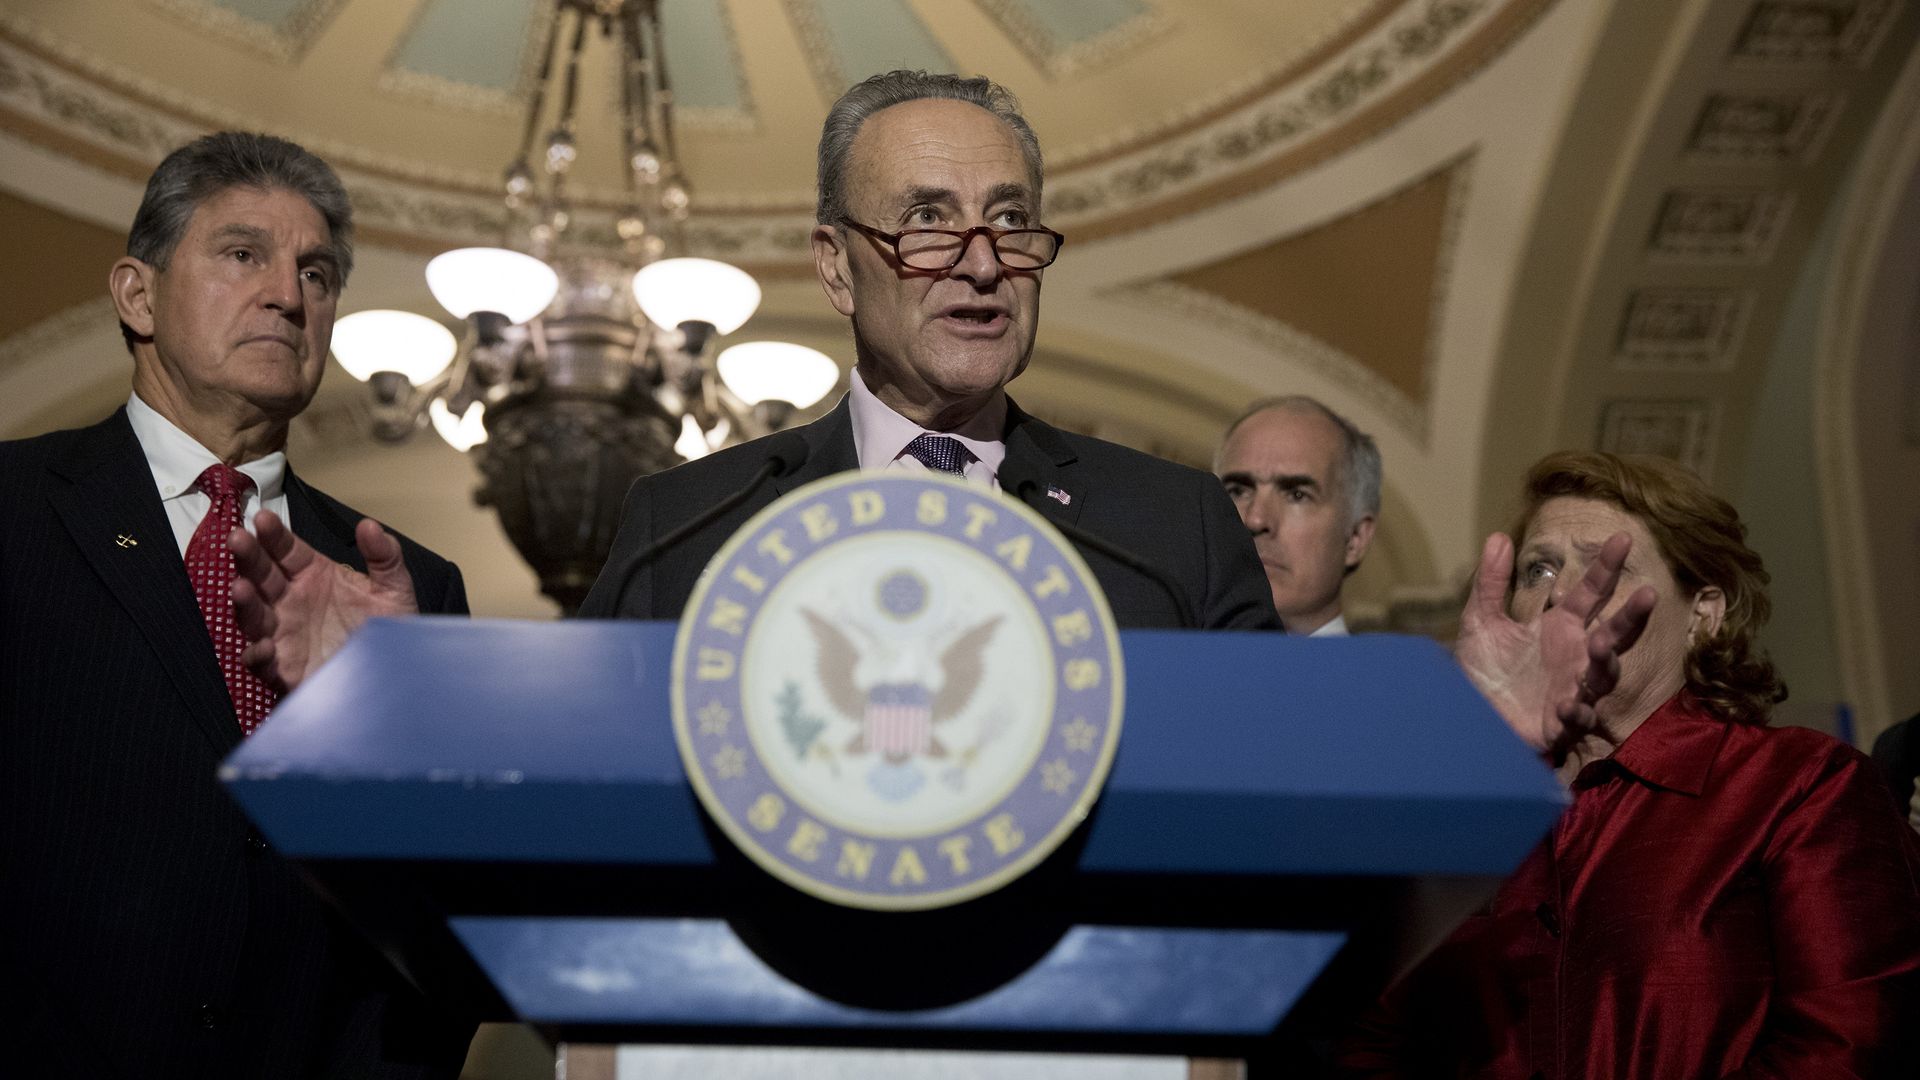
x=126 y=541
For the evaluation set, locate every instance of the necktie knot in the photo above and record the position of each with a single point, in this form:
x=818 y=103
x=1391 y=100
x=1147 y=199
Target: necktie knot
x=221 y=481
x=941 y=453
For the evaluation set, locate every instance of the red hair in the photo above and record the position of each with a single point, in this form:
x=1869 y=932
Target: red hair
x=1703 y=543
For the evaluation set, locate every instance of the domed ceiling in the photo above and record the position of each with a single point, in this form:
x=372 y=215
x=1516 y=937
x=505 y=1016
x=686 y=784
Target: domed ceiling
x=426 y=100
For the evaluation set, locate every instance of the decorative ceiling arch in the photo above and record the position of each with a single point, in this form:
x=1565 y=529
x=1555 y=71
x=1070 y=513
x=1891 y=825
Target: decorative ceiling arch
x=1866 y=418
x=414 y=96
x=1649 y=299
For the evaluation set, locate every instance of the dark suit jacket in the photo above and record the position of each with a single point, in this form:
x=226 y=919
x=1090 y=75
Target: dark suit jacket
x=145 y=929
x=1177 y=518
x=1897 y=752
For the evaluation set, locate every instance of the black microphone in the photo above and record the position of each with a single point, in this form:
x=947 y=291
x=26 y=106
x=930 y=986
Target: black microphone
x=1024 y=489
x=786 y=452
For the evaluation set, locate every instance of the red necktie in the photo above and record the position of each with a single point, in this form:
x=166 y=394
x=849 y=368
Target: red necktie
x=210 y=566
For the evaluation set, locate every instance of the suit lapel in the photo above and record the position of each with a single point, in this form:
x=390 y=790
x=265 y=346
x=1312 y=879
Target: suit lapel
x=1035 y=451
x=316 y=522
x=109 y=494
x=830 y=448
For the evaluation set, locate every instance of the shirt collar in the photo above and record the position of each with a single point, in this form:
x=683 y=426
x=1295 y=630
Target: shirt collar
x=880 y=434
x=1334 y=627
x=177 y=458
x=1675 y=748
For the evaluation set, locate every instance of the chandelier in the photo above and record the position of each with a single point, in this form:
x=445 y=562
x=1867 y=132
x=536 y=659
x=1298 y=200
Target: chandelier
x=584 y=364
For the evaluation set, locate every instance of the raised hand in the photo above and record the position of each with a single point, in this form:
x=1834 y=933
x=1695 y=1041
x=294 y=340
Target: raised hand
x=1546 y=675
x=297 y=607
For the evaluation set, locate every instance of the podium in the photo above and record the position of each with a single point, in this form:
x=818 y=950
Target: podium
x=1289 y=822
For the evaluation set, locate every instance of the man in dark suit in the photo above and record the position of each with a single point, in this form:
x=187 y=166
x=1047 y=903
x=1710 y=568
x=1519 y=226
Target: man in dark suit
x=929 y=241
x=145 y=929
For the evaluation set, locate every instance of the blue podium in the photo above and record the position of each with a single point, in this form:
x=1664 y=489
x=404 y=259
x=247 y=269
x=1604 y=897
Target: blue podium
x=502 y=807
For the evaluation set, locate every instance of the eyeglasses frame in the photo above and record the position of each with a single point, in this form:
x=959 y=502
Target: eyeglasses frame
x=966 y=236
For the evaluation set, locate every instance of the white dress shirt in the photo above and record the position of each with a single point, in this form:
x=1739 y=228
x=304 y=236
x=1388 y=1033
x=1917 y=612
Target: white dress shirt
x=177 y=460
x=880 y=437
x=1334 y=627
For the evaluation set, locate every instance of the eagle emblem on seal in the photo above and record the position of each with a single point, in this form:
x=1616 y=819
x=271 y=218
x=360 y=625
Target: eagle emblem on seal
x=896 y=689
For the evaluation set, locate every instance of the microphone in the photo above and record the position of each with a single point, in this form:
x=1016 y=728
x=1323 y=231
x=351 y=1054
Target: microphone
x=1026 y=487
x=786 y=452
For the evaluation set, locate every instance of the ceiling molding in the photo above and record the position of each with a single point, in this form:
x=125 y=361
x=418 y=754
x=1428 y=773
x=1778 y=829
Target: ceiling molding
x=55 y=332
x=1412 y=53
x=1059 y=60
x=1888 y=162
x=1392 y=72
x=287 y=40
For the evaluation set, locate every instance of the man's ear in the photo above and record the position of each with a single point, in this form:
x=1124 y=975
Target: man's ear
x=1359 y=539
x=1709 y=612
x=830 y=262
x=130 y=282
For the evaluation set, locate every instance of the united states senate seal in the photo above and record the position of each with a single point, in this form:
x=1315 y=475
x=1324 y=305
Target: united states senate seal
x=897 y=691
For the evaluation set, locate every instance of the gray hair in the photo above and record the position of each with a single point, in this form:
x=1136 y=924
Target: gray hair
x=214 y=163
x=1358 y=466
x=897 y=88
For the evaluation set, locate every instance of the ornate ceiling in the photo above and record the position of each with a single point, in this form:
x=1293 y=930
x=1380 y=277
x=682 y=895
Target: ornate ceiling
x=1482 y=228
x=1146 y=108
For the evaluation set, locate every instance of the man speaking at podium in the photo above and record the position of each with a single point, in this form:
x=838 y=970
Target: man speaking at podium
x=929 y=240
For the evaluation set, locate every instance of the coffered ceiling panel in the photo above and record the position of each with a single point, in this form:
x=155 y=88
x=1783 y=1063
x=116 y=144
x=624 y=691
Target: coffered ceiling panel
x=282 y=29
x=848 y=39
x=487 y=45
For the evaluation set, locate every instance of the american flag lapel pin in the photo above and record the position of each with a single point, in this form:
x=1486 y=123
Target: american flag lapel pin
x=1059 y=496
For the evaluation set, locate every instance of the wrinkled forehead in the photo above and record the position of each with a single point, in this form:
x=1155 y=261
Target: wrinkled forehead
x=1285 y=439
x=932 y=142
x=1579 y=525
x=267 y=210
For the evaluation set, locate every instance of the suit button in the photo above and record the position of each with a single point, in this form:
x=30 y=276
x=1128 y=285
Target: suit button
x=1548 y=917
x=208 y=1016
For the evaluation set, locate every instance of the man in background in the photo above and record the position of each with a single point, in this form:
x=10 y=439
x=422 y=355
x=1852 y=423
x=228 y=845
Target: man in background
x=145 y=929
x=1307 y=485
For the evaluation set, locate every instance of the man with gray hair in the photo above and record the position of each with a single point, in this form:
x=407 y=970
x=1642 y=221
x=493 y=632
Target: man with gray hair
x=929 y=241
x=1307 y=484
x=145 y=929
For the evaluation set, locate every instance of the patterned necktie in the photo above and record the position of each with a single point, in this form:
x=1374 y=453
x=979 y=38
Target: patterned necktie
x=941 y=453
x=210 y=567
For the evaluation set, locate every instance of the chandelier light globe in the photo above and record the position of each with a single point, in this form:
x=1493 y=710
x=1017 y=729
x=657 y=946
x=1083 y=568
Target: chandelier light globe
x=760 y=371
x=509 y=283
x=463 y=433
x=692 y=442
x=676 y=291
x=367 y=342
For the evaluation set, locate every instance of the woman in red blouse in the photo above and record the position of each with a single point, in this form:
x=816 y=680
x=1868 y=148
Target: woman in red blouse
x=1722 y=898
